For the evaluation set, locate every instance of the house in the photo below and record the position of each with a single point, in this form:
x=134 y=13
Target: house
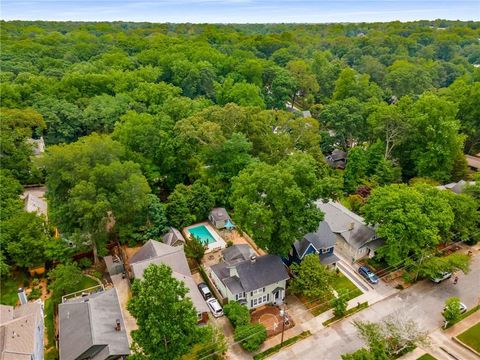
x=38 y=145
x=219 y=218
x=92 y=327
x=250 y=279
x=21 y=330
x=355 y=239
x=456 y=187
x=473 y=162
x=337 y=159
x=155 y=252
x=173 y=237
x=321 y=242
x=34 y=200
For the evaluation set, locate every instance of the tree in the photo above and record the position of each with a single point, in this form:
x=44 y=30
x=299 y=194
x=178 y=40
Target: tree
x=311 y=278
x=409 y=220
x=351 y=84
x=251 y=336
x=452 y=310
x=166 y=334
x=405 y=78
x=213 y=345
x=275 y=204
x=304 y=79
x=356 y=169
x=340 y=303
x=467 y=218
x=194 y=249
x=435 y=265
x=64 y=279
x=237 y=313
x=361 y=354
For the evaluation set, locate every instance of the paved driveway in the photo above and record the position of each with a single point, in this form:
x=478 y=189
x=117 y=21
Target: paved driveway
x=422 y=302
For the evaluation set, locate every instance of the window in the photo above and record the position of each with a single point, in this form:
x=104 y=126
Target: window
x=260 y=300
x=240 y=296
x=258 y=291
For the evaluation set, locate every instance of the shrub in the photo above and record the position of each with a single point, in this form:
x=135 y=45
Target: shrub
x=250 y=336
x=229 y=243
x=194 y=249
x=237 y=314
x=84 y=263
x=35 y=294
x=452 y=309
x=35 y=282
x=340 y=303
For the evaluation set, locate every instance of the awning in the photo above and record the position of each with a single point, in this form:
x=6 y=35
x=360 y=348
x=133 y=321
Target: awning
x=229 y=225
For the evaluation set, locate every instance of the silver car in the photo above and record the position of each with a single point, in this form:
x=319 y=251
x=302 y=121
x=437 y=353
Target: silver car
x=215 y=307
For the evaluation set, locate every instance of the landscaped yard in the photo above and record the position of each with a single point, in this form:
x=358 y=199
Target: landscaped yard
x=319 y=306
x=471 y=337
x=86 y=283
x=9 y=288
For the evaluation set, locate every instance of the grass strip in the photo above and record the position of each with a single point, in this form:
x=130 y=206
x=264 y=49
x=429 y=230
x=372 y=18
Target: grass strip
x=348 y=313
x=276 y=348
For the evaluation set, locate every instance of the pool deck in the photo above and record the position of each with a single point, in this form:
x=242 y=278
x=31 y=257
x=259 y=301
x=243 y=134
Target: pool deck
x=217 y=245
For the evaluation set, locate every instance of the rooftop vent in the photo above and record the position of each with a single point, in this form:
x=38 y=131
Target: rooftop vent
x=253 y=259
x=22 y=296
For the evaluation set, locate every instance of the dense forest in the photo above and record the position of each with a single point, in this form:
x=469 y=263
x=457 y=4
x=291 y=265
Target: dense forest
x=151 y=125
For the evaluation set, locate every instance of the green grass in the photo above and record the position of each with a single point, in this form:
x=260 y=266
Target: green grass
x=471 y=337
x=86 y=283
x=463 y=316
x=50 y=322
x=276 y=348
x=427 y=357
x=342 y=282
x=347 y=313
x=9 y=288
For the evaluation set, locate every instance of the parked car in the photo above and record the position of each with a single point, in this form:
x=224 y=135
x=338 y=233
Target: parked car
x=368 y=274
x=440 y=277
x=205 y=291
x=463 y=308
x=215 y=307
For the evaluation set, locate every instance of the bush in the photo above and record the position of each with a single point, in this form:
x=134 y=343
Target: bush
x=237 y=314
x=35 y=294
x=84 y=263
x=35 y=282
x=229 y=243
x=250 y=336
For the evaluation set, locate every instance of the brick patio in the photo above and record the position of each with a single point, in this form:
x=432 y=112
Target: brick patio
x=269 y=316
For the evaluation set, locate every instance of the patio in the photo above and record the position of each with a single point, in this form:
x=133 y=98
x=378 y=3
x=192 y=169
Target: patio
x=269 y=316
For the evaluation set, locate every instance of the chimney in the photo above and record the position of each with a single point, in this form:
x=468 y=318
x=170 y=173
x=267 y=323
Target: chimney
x=22 y=296
x=118 y=327
x=253 y=259
x=351 y=226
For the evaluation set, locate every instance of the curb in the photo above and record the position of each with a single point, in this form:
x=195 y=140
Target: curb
x=461 y=343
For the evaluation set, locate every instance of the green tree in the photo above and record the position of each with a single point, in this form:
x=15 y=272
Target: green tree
x=356 y=169
x=405 y=78
x=194 y=249
x=64 y=279
x=352 y=84
x=250 y=336
x=340 y=303
x=237 y=313
x=452 y=310
x=433 y=266
x=166 y=334
x=312 y=279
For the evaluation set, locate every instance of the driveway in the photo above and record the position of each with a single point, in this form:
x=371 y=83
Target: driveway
x=422 y=302
x=123 y=291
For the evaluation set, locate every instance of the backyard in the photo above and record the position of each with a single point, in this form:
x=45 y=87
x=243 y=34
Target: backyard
x=471 y=337
x=9 y=287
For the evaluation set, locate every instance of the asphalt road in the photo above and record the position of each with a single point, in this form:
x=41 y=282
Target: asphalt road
x=422 y=302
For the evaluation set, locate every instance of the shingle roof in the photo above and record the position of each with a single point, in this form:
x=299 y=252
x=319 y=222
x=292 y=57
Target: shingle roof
x=236 y=253
x=219 y=214
x=265 y=270
x=154 y=252
x=172 y=236
x=456 y=187
x=346 y=223
x=90 y=321
x=322 y=238
x=17 y=330
x=328 y=259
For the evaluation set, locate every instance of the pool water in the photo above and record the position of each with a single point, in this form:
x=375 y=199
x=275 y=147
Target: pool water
x=201 y=232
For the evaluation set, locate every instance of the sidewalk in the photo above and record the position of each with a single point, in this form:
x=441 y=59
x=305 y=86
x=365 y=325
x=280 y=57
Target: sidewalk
x=123 y=291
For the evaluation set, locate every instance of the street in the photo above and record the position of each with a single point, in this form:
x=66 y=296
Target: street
x=422 y=302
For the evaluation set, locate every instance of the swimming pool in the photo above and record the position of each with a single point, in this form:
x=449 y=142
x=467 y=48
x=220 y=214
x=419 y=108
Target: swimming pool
x=201 y=232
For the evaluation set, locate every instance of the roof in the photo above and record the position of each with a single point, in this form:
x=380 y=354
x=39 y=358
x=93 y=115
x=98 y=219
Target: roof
x=90 y=321
x=172 y=236
x=473 y=161
x=328 y=259
x=456 y=187
x=346 y=224
x=237 y=253
x=337 y=155
x=264 y=271
x=17 y=330
x=306 y=114
x=375 y=244
x=219 y=214
x=36 y=204
x=155 y=252
x=322 y=238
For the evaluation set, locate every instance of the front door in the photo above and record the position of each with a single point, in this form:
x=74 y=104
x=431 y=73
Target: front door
x=277 y=297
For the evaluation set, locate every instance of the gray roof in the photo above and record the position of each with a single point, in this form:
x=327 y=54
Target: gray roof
x=89 y=321
x=306 y=114
x=328 y=259
x=17 y=330
x=172 y=236
x=154 y=252
x=322 y=238
x=346 y=223
x=456 y=187
x=338 y=154
x=266 y=270
x=375 y=244
x=237 y=253
x=219 y=214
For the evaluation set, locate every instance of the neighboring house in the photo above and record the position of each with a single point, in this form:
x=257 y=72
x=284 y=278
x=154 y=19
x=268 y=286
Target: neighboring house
x=173 y=237
x=249 y=279
x=473 y=162
x=321 y=242
x=456 y=187
x=337 y=159
x=21 y=331
x=92 y=327
x=34 y=200
x=219 y=218
x=355 y=239
x=154 y=252
x=38 y=146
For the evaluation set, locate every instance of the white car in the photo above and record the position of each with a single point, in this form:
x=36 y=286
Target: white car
x=215 y=307
x=443 y=276
x=463 y=308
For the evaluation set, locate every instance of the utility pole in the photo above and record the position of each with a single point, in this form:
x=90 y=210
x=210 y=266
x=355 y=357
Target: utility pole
x=282 y=314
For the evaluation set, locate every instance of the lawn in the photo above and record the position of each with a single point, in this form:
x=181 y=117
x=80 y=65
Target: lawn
x=50 y=322
x=427 y=357
x=471 y=337
x=86 y=283
x=342 y=282
x=9 y=288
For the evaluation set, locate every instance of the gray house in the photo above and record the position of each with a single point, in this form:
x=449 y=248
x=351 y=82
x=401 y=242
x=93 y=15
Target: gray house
x=155 y=252
x=249 y=279
x=173 y=237
x=92 y=327
x=355 y=239
x=321 y=242
x=219 y=218
x=21 y=332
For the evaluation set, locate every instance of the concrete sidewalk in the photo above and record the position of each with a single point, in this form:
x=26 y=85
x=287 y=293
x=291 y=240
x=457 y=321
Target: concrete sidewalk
x=123 y=291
